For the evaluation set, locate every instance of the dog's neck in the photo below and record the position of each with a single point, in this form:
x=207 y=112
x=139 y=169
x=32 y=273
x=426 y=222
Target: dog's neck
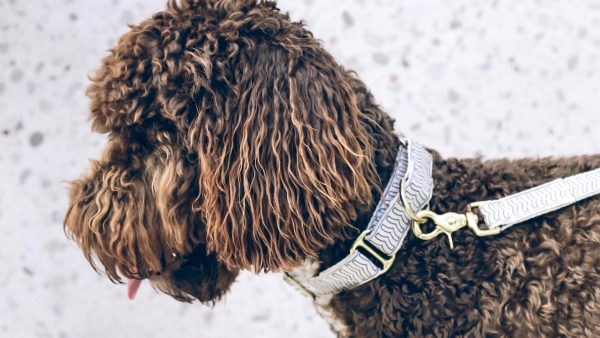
x=384 y=163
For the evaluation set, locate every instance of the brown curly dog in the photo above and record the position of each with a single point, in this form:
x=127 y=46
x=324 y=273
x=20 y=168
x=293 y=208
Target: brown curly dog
x=237 y=142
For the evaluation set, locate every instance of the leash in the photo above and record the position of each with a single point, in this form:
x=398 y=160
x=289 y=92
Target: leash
x=404 y=205
x=505 y=212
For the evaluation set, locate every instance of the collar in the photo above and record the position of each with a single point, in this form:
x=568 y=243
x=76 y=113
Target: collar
x=408 y=191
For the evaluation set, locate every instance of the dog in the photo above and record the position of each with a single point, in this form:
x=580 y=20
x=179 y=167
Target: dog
x=235 y=141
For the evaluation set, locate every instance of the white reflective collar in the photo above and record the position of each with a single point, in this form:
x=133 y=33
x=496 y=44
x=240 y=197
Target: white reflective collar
x=373 y=252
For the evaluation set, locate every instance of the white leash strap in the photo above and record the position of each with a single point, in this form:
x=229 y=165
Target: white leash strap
x=505 y=212
x=510 y=210
x=373 y=252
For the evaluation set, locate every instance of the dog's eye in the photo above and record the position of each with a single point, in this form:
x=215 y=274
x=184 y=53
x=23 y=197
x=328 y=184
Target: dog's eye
x=173 y=262
x=174 y=256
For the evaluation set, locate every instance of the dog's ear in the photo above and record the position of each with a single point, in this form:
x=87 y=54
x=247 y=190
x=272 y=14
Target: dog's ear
x=133 y=212
x=285 y=162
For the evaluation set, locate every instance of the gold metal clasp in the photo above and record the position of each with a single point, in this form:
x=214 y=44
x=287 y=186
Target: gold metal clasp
x=444 y=224
x=473 y=222
x=386 y=262
x=449 y=223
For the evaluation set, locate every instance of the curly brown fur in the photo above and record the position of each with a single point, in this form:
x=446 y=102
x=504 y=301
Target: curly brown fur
x=539 y=279
x=237 y=142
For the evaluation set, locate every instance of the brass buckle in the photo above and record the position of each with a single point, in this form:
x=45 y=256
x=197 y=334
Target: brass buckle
x=360 y=242
x=449 y=223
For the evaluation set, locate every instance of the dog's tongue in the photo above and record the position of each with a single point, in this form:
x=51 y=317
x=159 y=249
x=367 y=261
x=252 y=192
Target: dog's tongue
x=132 y=287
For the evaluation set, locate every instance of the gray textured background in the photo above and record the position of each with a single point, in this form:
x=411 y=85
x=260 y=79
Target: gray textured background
x=491 y=78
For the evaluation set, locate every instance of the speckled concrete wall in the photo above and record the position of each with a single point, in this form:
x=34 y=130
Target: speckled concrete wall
x=491 y=78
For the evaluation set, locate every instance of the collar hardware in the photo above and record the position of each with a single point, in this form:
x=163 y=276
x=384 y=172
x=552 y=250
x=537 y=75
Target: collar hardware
x=386 y=262
x=449 y=223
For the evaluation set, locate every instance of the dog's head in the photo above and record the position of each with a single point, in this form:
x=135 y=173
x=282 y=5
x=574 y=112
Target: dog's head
x=235 y=141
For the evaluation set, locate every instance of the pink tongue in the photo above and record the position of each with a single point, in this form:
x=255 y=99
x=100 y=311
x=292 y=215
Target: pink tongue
x=132 y=287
